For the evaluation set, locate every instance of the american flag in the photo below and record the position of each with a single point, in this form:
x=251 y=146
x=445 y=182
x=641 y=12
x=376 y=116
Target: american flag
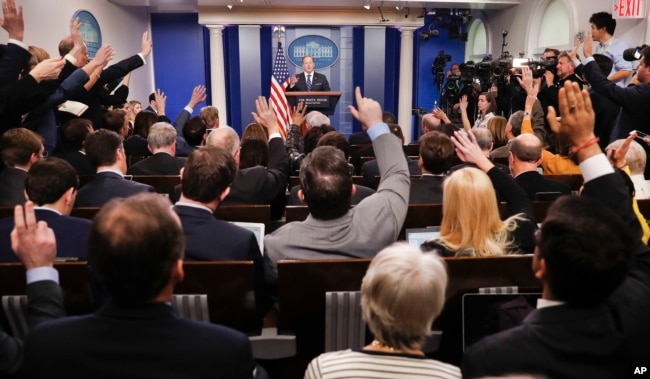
x=279 y=82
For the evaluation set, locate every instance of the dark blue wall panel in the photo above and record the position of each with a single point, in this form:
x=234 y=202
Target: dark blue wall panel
x=179 y=62
x=391 y=76
x=357 y=67
x=231 y=62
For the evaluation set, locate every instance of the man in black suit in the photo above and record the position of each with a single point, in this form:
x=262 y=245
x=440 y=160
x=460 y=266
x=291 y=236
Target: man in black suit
x=34 y=243
x=20 y=149
x=436 y=156
x=162 y=144
x=136 y=251
x=309 y=80
x=52 y=185
x=106 y=154
x=207 y=177
x=525 y=156
x=73 y=134
x=594 y=271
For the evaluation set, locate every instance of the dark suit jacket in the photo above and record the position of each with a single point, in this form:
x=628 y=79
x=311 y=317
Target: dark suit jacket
x=564 y=341
x=136 y=146
x=71 y=235
x=318 y=83
x=259 y=184
x=427 y=189
x=361 y=193
x=148 y=341
x=359 y=138
x=533 y=182
x=78 y=160
x=12 y=186
x=12 y=62
x=203 y=232
x=370 y=170
x=107 y=186
x=44 y=302
x=158 y=164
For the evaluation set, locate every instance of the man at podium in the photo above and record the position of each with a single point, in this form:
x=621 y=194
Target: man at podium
x=308 y=80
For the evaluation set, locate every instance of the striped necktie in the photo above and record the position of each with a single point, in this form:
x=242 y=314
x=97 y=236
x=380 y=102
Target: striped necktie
x=308 y=82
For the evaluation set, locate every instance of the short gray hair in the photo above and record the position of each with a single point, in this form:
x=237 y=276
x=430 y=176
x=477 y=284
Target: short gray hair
x=315 y=118
x=402 y=292
x=635 y=157
x=224 y=137
x=161 y=134
x=483 y=138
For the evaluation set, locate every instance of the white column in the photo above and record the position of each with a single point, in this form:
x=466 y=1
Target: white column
x=405 y=105
x=217 y=72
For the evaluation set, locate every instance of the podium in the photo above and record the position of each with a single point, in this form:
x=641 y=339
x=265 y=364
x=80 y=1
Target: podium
x=322 y=101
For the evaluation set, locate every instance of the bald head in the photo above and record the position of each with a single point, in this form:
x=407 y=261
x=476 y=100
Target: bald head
x=526 y=148
x=224 y=137
x=430 y=123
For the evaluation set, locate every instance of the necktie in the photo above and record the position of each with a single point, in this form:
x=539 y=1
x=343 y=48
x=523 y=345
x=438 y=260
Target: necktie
x=309 y=82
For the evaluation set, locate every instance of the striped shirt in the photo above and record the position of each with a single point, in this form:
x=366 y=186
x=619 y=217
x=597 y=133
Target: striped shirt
x=373 y=364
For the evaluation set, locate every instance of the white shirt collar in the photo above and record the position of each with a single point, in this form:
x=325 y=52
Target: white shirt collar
x=545 y=303
x=192 y=205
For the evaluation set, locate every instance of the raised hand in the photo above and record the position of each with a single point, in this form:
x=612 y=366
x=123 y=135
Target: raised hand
x=198 y=96
x=578 y=118
x=617 y=155
x=467 y=150
x=33 y=242
x=48 y=69
x=527 y=83
x=368 y=111
x=12 y=20
x=588 y=47
x=146 y=45
x=265 y=115
x=161 y=102
x=299 y=114
x=103 y=55
x=463 y=103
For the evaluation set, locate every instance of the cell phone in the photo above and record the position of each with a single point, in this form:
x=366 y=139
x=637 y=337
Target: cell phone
x=580 y=36
x=640 y=134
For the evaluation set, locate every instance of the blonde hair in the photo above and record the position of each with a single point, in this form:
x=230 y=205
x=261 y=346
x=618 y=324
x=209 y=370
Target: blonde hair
x=254 y=130
x=471 y=225
x=209 y=114
x=402 y=292
x=497 y=126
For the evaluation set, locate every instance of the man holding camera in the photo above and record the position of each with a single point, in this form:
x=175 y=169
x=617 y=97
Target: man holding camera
x=565 y=72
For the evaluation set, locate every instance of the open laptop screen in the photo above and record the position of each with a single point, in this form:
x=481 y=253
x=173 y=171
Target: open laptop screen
x=257 y=228
x=487 y=314
x=417 y=236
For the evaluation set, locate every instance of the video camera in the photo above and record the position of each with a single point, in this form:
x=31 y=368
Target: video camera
x=633 y=53
x=438 y=67
x=541 y=66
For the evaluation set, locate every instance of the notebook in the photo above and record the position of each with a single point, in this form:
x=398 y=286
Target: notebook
x=487 y=314
x=417 y=236
x=257 y=228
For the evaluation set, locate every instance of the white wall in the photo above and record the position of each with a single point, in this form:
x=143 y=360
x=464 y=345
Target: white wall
x=517 y=20
x=48 y=21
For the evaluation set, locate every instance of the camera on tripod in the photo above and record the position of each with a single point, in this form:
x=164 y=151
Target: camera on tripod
x=438 y=67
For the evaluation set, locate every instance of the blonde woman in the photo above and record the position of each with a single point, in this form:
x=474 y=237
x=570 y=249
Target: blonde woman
x=487 y=106
x=497 y=126
x=471 y=225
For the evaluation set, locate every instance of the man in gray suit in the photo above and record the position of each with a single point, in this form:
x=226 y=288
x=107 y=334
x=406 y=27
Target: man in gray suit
x=333 y=230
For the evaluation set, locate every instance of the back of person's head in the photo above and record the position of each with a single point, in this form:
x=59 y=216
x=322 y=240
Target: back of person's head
x=526 y=148
x=497 y=126
x=49 y=179
x=161 y=135
x=65 y=45
x=152 y=97
x=483 y=138
x=396 y=130
x=336 y=139
x=253 y=152
x=635 y=157
x=207 y=173
x=224 y=137
x=115 y=120
x=469 y=202
x=516 y=119
x=604 y=20
x=101 y=147
x=402 y=292
x=326 y=183
x=18 y=145
x=586 y=248
x=316 y=118
x=193 y=131
x=313 y=135
x=38 y=54
x=133 y=245
x=143 y=122
x=646 y=56
x=430 y=123
x=604 y=62
x=255 y=130
x=388 y=118
x=74 y=133
x=437 y=152
x=209 y=114
x=448 y=129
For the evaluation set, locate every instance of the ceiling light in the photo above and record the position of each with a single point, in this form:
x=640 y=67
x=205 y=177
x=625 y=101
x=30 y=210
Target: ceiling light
x=229 y=6
x=366 y=6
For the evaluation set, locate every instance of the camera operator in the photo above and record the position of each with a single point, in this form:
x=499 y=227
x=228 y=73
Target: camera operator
x=565 y=72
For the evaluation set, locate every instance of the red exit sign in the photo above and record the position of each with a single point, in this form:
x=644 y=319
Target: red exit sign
x=629 y=9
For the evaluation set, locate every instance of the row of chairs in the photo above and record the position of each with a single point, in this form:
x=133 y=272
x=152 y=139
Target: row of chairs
x=303 y=286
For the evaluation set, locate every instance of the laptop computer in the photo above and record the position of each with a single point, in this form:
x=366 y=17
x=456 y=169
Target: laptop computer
x=487 y=314
x=257 y=228
x=417 y=236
